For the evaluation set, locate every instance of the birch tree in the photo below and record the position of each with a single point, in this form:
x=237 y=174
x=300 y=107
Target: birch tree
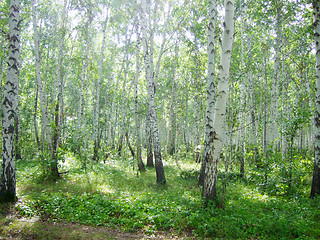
x=136 y=106
x=217 y=136
x=151 y=103
x=10 y=105
x=59 y=104
x=97 y=98
x=211 y=88
x=173 y=114
x=315 y=188
x=44 y=114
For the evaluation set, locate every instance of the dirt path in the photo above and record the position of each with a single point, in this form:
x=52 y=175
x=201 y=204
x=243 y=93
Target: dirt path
x=12 y=226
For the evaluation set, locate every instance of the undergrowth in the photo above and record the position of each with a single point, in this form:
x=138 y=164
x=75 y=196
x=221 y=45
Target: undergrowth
x=113 y=195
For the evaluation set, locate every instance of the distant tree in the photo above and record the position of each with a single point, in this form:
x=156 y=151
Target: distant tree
x=44 y=114
x=97 y=97
x=10 y=105
x=315 y=188
x=151 y=94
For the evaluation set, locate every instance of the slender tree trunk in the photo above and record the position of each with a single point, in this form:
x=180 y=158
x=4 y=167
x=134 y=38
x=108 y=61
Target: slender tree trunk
x=84 y=77
x=218 y=134
x=123 y=125
x=10 y=105
x=129 y=145
x=97 y=98
x=173 y=115
x=17 y=134
x=242 y=110
x=55 y=140
x=1 y=83
x=315 y=188
x=152 y=111
x=36 y=131
x=45 y=127
x=136 y=110
x=196 y=115
x=149 y=141
x=186 y=117
x=59 y=112
x=211 y=88
x=265 y=141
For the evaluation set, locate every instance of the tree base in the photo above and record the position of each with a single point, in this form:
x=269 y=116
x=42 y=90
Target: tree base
x=8 y=197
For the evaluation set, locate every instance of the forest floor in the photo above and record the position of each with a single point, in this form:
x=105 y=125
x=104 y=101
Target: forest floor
x=112 y=201
x=14 y=226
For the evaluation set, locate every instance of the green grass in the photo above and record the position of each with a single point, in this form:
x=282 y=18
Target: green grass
x=112 y=195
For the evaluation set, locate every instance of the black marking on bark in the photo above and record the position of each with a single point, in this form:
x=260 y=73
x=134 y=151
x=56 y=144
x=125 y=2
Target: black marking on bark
x=7 y=101
x=14 y=8
x=10 y=129
x=11 y=116
x=14 y=38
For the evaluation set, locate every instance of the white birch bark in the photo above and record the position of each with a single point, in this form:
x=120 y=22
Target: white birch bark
x=197 y=104
x=10 y=105
x=211 y=88
x=218 y=135
x=122 y=124
x=273 y=133
x=315 y=188
x=173 y=115
x=136 y=110
x=242 y=118
x=97 y=97
x=84 y=77
x=60 y=80
x=152 y=111
x=42 y=99
x=59 y=104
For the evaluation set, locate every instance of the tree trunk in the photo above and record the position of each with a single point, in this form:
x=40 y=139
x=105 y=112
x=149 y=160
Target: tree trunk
x=58 y=114
x=211 y=88
x=55 y=140
x=272 y=134
x=149 y=141
x=10 y=105
x=45 y=127
x=315 y=188
x=36 y=131
x=97 y=97
x=218 y=134
x=152 y=110
x=197 y=114
x=173 y=115
x=84 y=77
x=17 y=134
x=129 y=145
x=136 y=111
